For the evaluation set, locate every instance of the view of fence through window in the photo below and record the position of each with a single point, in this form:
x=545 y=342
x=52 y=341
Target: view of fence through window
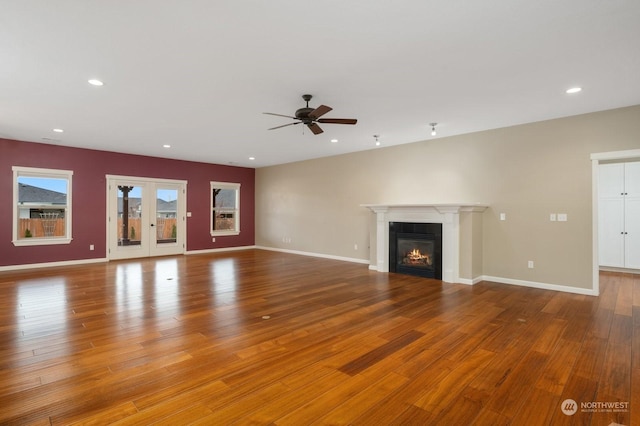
x=130 y=199
x=42 y=207
x=166 y=215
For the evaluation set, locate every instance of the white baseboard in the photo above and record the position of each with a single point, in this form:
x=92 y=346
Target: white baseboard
x=522 y=283
x=544 y=286
x=623 y=270
x=52 y=264
x=324 y=256
x=103 y=259
x=218 y=250
x=469 y=281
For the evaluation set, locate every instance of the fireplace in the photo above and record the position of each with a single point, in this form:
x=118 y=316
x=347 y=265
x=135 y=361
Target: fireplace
x=447 y=215
x=416 y=249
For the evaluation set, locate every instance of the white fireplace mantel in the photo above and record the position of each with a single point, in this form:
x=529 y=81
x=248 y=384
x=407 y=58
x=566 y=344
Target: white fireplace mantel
x=446 y=214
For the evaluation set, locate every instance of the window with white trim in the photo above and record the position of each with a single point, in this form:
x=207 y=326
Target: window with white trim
x=41 y=206
x=225 y=208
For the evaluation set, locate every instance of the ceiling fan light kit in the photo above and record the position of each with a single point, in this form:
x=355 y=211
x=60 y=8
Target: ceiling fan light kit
x=311 y=117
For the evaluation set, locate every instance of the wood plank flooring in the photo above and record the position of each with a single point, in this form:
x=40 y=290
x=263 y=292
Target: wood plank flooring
x=264 y=338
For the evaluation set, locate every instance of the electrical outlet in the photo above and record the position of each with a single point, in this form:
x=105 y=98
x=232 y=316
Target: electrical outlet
x=91 y=247
x=355 y=247
x=530 y=264
x=562 y=217
x=213 y=240
x=503 y=216
x=552 y=217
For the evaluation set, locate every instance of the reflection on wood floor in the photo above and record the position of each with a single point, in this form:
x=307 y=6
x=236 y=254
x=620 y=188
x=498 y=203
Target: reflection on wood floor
x=259 y=337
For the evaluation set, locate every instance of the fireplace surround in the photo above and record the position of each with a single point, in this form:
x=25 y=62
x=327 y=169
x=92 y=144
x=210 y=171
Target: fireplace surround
x=446 y=214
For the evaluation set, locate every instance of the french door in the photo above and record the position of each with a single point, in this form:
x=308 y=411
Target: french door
x=146 y=217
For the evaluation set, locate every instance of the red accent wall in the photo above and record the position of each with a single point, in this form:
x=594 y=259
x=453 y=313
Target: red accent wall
x=90 y=168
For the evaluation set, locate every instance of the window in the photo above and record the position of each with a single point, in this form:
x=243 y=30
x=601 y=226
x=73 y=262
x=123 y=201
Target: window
x=42 y=206
x=225 y=208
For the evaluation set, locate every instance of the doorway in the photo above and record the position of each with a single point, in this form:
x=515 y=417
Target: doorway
x=146 y=217
x=596 y=159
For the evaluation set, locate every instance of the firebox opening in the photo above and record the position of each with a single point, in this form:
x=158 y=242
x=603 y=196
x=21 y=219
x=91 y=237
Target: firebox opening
x=416 y=249
x=415 y=253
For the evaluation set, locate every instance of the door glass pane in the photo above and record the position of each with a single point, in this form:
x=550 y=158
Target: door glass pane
x=129 y=215
x=166 y=215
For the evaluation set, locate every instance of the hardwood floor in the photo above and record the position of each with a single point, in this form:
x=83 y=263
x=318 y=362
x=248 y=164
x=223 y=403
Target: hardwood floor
x=259 y=337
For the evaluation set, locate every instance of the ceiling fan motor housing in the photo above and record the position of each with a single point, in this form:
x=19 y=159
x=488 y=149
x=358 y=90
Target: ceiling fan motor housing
x=303 y=114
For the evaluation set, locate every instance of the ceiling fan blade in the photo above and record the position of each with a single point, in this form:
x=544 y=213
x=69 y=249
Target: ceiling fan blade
x=315 y=128
x=319 y=112
x=279 y=115
x=338 y=120
x=284 y=125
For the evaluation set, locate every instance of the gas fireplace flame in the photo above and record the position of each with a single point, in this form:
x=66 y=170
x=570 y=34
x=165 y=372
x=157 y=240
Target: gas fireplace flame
x=415 y=257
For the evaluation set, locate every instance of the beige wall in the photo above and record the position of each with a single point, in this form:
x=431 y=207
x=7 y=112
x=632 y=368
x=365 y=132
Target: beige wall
x=526 y=171
x=471 y=245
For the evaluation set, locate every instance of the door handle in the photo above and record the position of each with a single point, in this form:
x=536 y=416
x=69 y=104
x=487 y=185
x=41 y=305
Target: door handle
x=153 y=224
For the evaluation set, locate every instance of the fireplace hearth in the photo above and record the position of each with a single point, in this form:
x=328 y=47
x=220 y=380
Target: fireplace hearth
x=416 y=249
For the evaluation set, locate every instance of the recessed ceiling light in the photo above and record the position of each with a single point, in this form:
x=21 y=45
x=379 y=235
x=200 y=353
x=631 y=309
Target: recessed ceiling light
x=252 y=158
x=574 y=90
x=96 y=82
x=166 y=145
x=58 y=130
x=334 y=140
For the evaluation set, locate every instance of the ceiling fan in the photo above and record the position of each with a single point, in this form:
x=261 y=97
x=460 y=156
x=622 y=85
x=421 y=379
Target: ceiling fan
x=311 y=117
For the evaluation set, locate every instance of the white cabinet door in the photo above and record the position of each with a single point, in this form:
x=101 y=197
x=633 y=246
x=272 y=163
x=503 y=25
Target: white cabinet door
x=611 y=232
x=632 y=180
x=619 y=215
x=632 y=215
x=611 y=180
x=632 y=233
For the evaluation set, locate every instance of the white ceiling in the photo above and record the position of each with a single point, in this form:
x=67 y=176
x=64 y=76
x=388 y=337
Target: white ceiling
x=198 y=74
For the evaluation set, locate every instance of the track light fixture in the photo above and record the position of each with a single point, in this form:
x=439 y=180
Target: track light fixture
x=433 y=128
x=376 y=137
